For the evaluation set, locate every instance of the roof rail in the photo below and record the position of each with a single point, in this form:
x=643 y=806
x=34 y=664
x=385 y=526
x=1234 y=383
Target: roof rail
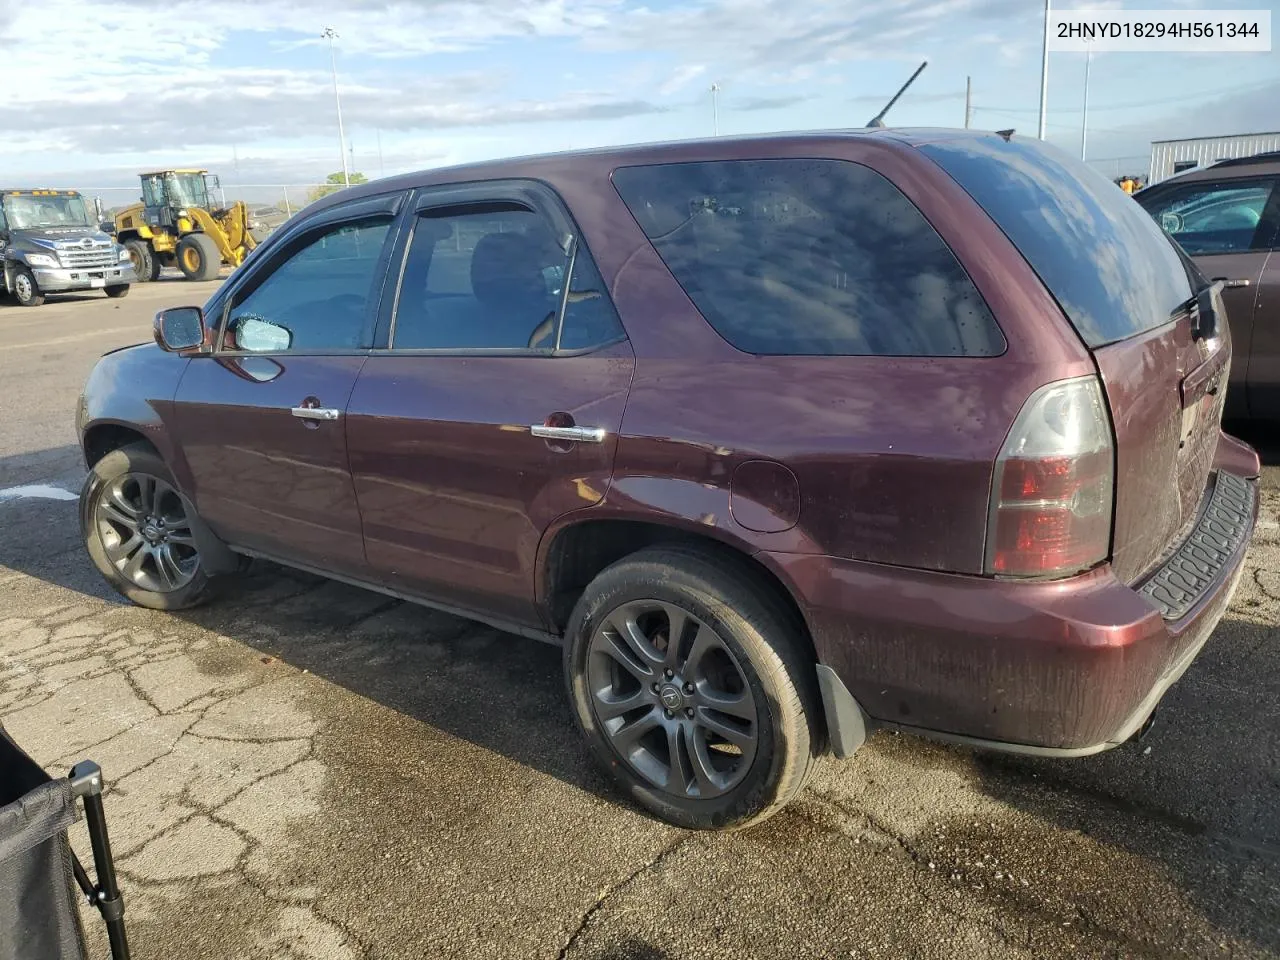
x=1271 y=156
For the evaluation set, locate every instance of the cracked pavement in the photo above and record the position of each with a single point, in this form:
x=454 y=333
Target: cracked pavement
x=307 y=770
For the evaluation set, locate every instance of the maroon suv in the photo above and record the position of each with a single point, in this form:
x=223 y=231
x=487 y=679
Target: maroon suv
x=786 y=439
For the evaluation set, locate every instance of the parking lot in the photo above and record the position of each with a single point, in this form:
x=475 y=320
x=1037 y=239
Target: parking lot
x=305 y=769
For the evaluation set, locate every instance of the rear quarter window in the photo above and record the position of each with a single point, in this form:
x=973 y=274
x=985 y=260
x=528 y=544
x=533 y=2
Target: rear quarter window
x=1111 y=268
x=809 y=257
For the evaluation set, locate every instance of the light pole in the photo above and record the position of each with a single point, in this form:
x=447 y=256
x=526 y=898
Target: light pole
x=1044 y=71
x=1084 y=123
x=715 y=110
x=331 y=34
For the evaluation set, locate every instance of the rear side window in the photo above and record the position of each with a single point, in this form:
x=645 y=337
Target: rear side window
x=1110 y=267
x=809 y=257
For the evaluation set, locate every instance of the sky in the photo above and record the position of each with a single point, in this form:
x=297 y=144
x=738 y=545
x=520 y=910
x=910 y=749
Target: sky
x=98 y=90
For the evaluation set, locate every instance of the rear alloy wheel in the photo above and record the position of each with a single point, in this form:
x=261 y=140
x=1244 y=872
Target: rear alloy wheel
x=25 y=289
x=142 y=259
x=672 y=699
x=198 y=257
x=693 y=687
x=138 y=530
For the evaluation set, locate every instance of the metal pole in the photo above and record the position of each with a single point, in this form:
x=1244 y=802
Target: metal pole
x=1084 y=123
x=968 y=100
x=715 y=110
x=288 y=211
x=331 y=34
x=1044 y=71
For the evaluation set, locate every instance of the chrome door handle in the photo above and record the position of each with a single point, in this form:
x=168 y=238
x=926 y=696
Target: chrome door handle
x=574 y=434
x=316 y=413
x=1230 y=284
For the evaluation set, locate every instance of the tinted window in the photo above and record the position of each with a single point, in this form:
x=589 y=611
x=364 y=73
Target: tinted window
x=809 y=257
x=1112 y=270
x=476 y=278
x=323 y=294
x=589 y=315
x=1214 y=217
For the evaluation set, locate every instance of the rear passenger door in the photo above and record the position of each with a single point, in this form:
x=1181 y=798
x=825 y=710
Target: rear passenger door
x=1228 y=228
x=493 y=402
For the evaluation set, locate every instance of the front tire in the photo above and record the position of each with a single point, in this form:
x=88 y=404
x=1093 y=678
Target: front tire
x=198 y=257
x=137 y=528
x=693 y=688
x=141 y=256
x=117 y=291
x=25 y=289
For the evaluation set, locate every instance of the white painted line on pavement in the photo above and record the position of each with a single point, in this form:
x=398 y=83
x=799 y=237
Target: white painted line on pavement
x=85 y=335
x=39 y=491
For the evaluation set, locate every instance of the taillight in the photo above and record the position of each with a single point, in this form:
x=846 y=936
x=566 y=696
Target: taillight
x=1050 y=513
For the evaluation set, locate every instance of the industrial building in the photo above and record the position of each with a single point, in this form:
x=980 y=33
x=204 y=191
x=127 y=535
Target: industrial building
x=1169 y=157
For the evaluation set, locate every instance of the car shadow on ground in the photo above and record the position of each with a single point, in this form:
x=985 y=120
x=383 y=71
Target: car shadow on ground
x=1196 y=803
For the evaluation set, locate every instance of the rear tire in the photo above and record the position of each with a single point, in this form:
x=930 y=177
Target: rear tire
x=143 y=260
x=731 y=717
x=198 y=257
x=117 y=291
x=25 y=289
x=137 y=528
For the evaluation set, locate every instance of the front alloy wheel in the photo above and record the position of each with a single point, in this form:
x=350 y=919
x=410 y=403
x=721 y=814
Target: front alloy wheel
x=672 y=699
x=143 y=528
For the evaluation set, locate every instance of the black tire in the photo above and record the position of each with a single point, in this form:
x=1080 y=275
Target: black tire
x=775 y=671
x=198 y=257
x=24 y=287
x=143 y=259
x=117 y=291
x=111 y=489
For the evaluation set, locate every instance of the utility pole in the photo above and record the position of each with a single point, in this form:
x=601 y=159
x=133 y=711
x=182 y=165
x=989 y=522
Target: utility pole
x=331 y=34
x=1084 y=123
x=1044 y=71
x=715 y=110
x=968 y=100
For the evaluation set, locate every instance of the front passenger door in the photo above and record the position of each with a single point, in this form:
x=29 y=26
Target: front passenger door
x=262 y=420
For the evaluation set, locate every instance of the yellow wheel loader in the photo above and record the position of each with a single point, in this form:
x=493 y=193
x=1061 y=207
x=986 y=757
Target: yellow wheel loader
x=177 y=225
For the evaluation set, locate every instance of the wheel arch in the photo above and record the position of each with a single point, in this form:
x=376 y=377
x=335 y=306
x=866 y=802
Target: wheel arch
x=104 y=437
x=574 y=552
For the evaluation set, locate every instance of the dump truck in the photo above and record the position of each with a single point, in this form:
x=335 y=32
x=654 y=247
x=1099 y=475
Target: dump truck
x=177 y=224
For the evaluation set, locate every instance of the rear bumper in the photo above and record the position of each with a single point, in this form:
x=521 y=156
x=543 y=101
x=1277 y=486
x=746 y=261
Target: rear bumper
x=1066 y=668
x=64 y=281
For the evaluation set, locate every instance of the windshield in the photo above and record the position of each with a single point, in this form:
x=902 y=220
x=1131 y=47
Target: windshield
x=187 y=190
x=25 y=211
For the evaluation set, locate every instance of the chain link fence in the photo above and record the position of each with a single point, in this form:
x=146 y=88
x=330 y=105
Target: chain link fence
x=271 y=204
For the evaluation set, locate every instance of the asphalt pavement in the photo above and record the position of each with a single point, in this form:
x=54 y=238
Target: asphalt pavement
x=304 y=769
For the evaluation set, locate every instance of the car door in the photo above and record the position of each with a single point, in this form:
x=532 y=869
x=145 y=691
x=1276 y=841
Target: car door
x=1226 y=226
x=493 y=407
x=260 y=421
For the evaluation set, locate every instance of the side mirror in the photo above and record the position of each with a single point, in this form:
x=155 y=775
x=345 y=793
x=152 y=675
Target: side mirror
x=262 y=336
x=180 y=328
x=108 y=226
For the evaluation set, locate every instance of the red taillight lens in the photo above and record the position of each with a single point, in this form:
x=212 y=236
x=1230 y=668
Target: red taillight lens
x=1052 y=491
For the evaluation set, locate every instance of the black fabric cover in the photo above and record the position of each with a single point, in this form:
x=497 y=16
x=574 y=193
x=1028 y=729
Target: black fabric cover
x=39 y=916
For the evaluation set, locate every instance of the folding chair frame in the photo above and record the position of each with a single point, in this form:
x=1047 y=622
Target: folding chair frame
x=86 y=784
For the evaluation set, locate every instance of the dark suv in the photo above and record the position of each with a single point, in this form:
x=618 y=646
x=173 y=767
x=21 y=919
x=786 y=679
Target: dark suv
x=1227 y=216
x=786 y=439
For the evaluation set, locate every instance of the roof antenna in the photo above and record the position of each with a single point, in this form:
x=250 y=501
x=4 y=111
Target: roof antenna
x=878 y=119
x=1006 y=134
